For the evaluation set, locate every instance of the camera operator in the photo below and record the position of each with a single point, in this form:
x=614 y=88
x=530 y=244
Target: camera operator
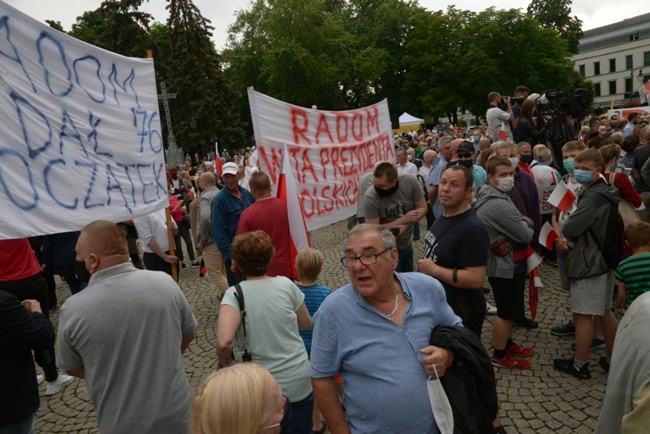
x=521 y=93
x=497 y=118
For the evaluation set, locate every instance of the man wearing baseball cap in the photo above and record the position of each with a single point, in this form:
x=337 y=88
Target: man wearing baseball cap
x=465 y=156
x=227 y=207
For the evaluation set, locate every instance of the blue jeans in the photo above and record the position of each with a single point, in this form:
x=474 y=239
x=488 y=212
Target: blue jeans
x=301 y=418
x=25 y=426
x=405 y=259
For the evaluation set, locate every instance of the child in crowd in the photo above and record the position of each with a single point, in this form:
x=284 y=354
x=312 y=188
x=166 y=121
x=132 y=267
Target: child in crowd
x=309 y=264
x=633 y=272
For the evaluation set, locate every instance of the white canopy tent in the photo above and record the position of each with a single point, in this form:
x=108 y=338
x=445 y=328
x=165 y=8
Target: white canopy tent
x=406 y=119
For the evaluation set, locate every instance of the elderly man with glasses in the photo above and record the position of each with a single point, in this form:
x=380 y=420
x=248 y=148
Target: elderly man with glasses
x=375 y=331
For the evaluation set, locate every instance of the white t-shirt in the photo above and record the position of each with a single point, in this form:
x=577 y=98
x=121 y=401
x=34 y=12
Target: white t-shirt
x=407 y=169
x=495 y=118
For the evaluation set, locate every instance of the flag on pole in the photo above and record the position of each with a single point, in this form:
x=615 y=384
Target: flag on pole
x=288 y=192
x=217 y=160
x=562 y=197
x=535 y=282
x=547 y=236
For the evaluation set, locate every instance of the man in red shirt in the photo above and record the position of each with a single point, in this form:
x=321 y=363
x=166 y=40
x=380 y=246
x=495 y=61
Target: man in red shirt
x=269 y=214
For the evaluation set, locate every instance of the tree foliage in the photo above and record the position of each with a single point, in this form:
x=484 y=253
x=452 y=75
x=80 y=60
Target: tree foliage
x=454 y=59
x=194 y=74
x=556 y=14
x=117 y=26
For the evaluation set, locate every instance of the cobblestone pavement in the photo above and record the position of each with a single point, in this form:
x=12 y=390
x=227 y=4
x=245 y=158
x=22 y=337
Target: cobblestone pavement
x=538 y=400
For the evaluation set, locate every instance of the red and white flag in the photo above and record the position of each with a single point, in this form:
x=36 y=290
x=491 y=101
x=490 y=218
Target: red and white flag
x=218 y=167
x=535 y=283
x=547 y=236
x=288 y=192
x=562 y=197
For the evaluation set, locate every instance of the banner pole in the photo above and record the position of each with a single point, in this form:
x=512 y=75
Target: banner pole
x=168 y=216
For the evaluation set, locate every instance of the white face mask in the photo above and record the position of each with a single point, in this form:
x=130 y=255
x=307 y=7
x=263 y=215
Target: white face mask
x=410 y=157
x=505 y=184
x=514 y=161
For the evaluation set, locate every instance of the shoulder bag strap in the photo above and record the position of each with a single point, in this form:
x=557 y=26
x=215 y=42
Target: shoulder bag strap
x=521 y=199
x=242 y=309
x=451 y=226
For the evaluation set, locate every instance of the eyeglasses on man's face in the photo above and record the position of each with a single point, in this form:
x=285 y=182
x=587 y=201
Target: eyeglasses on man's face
x=365 y=259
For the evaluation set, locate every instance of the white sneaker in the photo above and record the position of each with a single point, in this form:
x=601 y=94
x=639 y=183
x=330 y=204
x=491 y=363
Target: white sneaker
x=57 y=385
x=489 y=309
x=39 y=379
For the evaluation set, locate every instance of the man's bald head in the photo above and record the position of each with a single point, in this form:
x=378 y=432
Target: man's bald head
x=429 y=156
x=207 y=179
x=102 y=238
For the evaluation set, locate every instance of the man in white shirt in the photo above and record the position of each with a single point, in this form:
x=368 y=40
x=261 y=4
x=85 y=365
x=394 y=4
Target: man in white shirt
x=152 y=231
x=405 y=167
x=498 y=119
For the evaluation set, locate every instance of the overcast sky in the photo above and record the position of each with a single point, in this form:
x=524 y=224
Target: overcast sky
x=221 y=12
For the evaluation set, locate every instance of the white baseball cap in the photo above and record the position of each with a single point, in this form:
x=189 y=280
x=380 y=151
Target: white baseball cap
x=230 y=169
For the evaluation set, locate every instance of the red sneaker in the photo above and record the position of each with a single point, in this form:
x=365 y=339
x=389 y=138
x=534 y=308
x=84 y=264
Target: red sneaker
x=516 y=350
x=510 y=362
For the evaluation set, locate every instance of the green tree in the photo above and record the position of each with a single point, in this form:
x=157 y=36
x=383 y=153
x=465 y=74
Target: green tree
x=117 y=26
x=195 y=75
x=55 y=25
x=556 y=14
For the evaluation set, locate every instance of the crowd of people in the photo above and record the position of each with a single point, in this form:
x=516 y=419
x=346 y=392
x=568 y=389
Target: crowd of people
x=295 y=356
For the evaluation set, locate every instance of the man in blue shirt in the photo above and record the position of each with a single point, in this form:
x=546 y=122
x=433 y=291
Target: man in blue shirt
x=375 y=332
x=227 y=207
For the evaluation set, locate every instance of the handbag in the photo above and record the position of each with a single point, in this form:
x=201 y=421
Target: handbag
x=501 y=246
x=247 y=357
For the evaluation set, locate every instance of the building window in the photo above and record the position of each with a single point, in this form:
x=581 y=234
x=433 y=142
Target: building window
x=597 y=88
x=628 y=62
x=612 y=65
x=634 y=37
x=596 y=68
x=646 y=58
x=612 y=87
x=628 y=85
x=582 y=70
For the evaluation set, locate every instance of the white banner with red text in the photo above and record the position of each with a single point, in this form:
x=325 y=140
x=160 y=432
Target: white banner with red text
x=329 y=151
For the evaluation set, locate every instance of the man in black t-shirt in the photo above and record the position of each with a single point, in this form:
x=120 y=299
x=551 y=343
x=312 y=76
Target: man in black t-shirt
x=456 y=248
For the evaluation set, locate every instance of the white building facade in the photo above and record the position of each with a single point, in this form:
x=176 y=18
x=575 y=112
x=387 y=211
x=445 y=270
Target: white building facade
x=616 y=58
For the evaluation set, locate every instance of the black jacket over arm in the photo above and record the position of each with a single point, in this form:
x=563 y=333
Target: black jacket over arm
x=469 y=383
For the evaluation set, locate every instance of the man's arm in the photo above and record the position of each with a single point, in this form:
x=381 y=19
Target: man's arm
x=433 y=194
x=204 y=222
x=470 y=277
x=187 y=339
x=328 y=401
x=155 y=247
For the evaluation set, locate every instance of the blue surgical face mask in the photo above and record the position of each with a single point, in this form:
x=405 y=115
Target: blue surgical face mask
x=582 y=176
x=569 y=164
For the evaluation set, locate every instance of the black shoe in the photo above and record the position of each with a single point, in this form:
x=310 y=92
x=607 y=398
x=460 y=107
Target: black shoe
x=183 y=266
x=568 y=367
x=527 y=323
x=604 y=363
x=595 y=343
x=568 y=329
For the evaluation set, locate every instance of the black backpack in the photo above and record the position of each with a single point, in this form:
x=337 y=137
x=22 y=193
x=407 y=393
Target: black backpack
x=613 y=249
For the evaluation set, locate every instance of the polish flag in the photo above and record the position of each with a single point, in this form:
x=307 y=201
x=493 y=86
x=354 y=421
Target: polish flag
x=547 y=236
x=562 y=197
x=288 y=192
x=218 y=167
x=535 y=282
x=534 y=285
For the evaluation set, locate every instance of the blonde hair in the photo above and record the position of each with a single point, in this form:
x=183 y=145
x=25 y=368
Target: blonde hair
x=309 y=263
x=232 y=400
